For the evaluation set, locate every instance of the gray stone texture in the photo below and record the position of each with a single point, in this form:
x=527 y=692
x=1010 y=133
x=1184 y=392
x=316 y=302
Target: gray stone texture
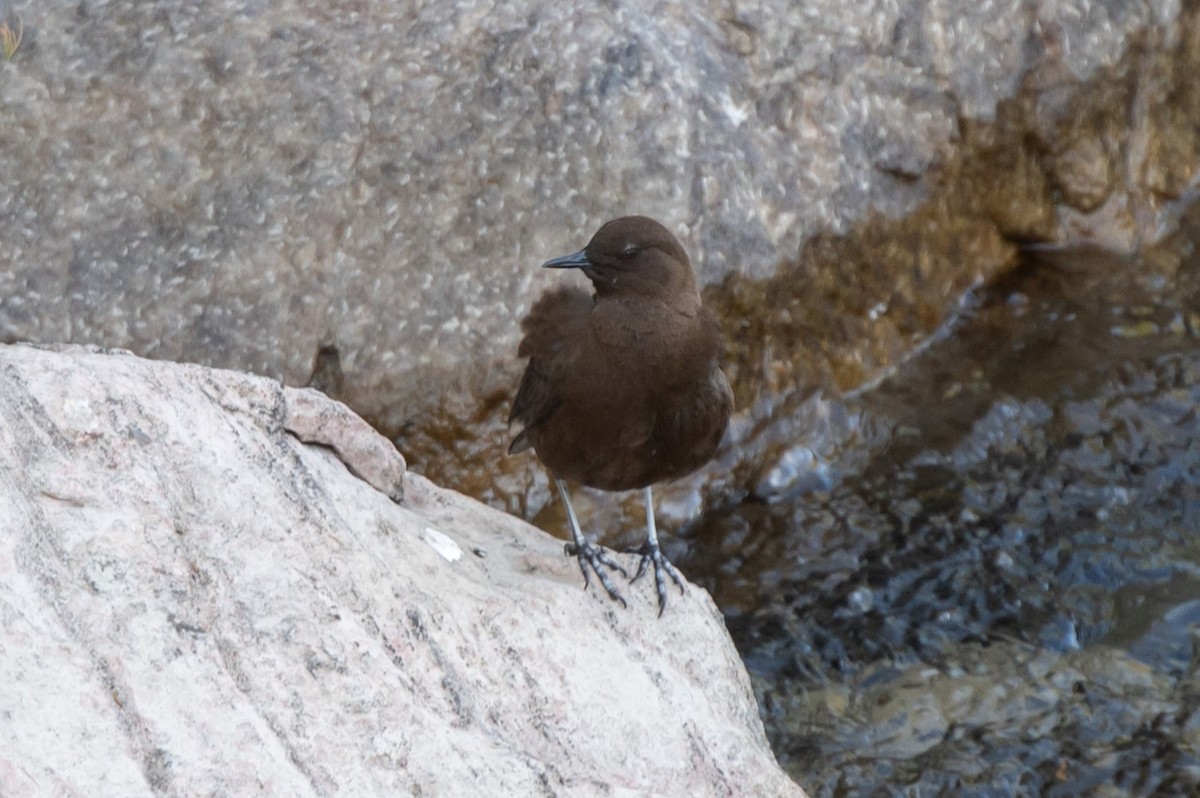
x=194 y=602
x=236 y=183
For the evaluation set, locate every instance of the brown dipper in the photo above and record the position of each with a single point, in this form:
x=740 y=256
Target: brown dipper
x=624 y=388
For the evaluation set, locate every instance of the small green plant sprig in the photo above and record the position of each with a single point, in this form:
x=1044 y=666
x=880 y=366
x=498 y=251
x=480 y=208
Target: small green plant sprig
x=10 y=38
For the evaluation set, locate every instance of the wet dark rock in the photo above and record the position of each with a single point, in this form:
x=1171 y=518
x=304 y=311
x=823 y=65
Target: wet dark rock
x=1030 y=516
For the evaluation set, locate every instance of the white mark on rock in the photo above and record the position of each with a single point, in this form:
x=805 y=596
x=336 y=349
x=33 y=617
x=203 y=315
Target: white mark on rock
x=441 y=543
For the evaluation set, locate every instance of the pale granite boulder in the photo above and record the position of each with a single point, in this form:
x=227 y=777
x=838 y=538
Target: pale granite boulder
x=194 y=602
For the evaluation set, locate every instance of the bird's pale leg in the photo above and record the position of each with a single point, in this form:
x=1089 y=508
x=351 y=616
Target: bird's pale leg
x=588 y=554
x=651 y=554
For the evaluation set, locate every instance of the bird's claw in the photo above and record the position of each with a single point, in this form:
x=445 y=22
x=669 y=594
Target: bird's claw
x=592 y=556
x=652 y=555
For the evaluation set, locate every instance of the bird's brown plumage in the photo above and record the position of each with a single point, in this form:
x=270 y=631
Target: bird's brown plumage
x=624 y=388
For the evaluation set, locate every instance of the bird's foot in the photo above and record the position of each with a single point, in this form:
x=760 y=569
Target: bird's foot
x=594 y=557
x=652 y=555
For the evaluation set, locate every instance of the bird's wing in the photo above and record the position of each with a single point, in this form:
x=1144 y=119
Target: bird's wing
x=553 y=329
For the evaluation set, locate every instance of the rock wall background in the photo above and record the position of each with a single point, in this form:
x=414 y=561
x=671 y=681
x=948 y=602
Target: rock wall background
x=238 y=183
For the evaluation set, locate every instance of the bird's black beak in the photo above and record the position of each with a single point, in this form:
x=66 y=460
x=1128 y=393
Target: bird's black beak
x=576 y=260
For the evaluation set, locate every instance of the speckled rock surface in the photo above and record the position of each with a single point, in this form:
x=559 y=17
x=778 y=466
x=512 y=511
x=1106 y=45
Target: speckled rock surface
x=236 y=183
x=193 y=602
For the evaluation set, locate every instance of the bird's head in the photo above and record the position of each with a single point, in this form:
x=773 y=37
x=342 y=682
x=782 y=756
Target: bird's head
x=633 y=255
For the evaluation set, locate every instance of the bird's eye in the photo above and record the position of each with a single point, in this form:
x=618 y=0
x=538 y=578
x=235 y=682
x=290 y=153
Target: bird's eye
x=630 y=252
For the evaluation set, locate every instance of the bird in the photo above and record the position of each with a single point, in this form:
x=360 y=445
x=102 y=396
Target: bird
x=623 y=387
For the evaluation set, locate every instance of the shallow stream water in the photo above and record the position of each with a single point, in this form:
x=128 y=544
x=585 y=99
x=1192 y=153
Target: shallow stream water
x=982 y=575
